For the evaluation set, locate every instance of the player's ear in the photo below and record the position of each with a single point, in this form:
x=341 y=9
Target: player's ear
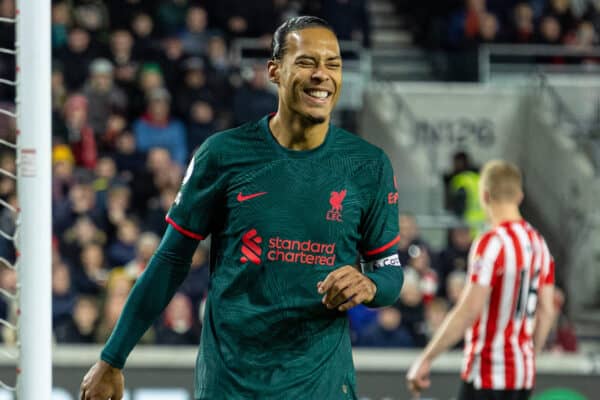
x=273 y=71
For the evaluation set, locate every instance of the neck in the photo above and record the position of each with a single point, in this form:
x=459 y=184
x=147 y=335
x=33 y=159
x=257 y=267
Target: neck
x=294 y=132
x=500 y=213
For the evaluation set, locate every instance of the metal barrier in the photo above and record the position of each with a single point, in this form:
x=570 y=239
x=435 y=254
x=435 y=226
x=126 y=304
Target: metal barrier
x=509 y=61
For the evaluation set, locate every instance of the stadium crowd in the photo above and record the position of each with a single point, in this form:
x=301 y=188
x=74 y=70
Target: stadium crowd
x=137 y=86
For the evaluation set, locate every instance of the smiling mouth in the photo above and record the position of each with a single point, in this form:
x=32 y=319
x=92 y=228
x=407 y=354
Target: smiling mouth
x=318 y=94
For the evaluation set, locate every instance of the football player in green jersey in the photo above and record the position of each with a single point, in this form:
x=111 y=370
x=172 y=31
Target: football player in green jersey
x=290 y=202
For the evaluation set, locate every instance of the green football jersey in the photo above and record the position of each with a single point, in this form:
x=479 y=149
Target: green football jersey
x=281 y=221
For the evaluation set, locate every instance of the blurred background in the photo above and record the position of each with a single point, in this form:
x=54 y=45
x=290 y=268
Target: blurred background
x=442 y=86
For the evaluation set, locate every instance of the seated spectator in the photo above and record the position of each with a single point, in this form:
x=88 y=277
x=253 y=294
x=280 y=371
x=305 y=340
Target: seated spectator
x=142 y=27
x=75 y=238
x=196 y=33
x=106 y=176
x=455 y=283
x=77 y=132
x=91 y=271
x=420 y=262
x=63 y=295
x=102 y=95
x=62 y=173
x=455 y=256
x=155 y=218
x=253 y=100
x=550 y=32
x=435 y=312
x=179 y=325
x=522 y=25
x=387 y=331
x=81 y=327
x=145 y=248
x=171 y=59
x=61 y=21
x=157 y=129
x=195 y=285
x=81 y=202
x=123 y=249
x=123 y=58
x=203 y=123
x=76 y=57
x=412 y=308
x=561 y=10
x=410 y=238
x=129 y=161
x=194 y=88
x=349 y=19
x=117 y=209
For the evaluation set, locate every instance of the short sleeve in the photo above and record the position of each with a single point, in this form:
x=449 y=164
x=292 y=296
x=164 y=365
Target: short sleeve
x=547 y=270
x=196 y=204
x=380 y=223
x=486 y=260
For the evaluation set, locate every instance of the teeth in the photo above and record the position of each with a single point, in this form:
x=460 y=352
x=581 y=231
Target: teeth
x=320 y=94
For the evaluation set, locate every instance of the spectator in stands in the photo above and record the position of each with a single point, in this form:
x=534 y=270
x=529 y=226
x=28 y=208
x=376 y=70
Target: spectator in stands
x=116 y=210
x=105 y=177
x=522 y=25
x=550 y=32
x=157 y=129
x=410 y=238
x=61 y=21
x=76 y=57
x=102 y=95
x=171 y=61
x=145 y=248
x=455 y=256
x=253 y=99
x=194 y=87
x=81 y=327
x=203 y=123
x=179 y=326
x=387 y=331
x=144 y=186
x=124 y=59
x=420 y=262
x=412 y=308
x=158 y=208
x=59 y=91
x=142 y=27
x=455 y=283
x=82 y=233
x=465 y=24
x=129 y=161
x=63 y=163
x=195 y=285
x=63 y=296
x=171 y=16
x=77 y=133
x=489 y=29
x=349 y=19
x=196 y=34
x=91 y=272
x=592 y=14
x=234 y=16
x=561 y=10
x=435 y=312
x=123 y=249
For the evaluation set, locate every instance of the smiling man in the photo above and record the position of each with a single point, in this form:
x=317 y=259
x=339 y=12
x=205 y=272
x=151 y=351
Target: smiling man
x=290 y=201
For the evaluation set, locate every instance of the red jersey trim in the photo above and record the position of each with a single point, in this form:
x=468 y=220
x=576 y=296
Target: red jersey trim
x=383 y=248
x=183 y=230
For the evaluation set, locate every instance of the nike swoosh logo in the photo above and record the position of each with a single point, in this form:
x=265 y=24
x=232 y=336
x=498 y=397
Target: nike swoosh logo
x=241 y=197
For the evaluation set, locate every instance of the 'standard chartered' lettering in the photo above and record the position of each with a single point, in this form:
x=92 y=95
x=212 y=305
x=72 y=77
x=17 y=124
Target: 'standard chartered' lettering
x=301 y=252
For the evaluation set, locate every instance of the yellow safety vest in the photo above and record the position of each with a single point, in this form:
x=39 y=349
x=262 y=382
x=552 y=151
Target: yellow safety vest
x=474 y=215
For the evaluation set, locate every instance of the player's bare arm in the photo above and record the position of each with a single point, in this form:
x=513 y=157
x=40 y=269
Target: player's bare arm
x=345 y=288
x=467 y=310
x=545 y=315
x=102 y=382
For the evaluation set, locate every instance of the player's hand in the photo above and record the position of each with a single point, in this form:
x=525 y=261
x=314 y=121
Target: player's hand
x=417 y=377
x=345 y=288
x=102 y=382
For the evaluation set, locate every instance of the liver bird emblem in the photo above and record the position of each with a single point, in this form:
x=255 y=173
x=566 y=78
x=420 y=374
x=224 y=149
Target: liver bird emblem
x=336 y=200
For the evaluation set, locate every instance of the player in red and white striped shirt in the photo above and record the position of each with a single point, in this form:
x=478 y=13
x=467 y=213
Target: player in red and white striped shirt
x=506 y=308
